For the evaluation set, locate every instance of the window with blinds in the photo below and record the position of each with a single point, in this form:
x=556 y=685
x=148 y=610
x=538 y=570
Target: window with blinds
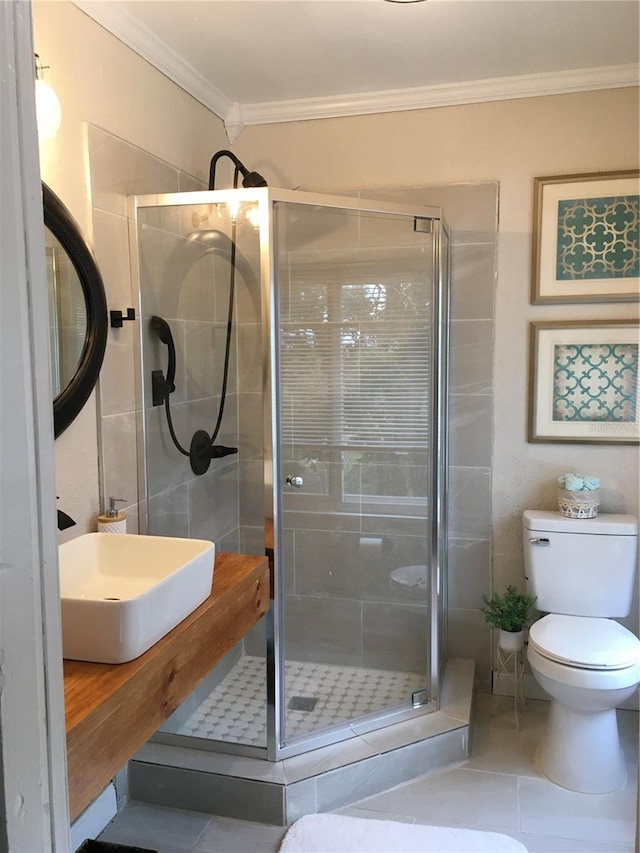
x=355 y=367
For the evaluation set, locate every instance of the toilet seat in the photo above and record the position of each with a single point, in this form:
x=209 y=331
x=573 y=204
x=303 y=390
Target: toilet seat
x=584 y=642
x=580 y=677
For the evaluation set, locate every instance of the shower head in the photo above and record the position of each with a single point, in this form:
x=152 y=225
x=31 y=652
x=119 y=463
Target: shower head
x=253 y=179
x=249 y=179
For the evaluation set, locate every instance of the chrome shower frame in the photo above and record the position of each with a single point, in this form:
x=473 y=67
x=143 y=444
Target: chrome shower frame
x=266 y=200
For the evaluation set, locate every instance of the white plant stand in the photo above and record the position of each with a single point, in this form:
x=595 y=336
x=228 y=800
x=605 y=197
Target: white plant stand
x=511 y=666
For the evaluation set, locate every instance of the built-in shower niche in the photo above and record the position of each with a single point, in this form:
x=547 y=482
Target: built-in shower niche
x=334 y=400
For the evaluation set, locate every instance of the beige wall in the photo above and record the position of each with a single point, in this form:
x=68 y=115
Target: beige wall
x=510 y=142
x=100 y=81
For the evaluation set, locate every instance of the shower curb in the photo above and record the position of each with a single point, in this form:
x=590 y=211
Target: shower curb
x=318 y=781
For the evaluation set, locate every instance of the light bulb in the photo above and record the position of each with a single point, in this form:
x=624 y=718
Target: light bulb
x=253 y=216
x=48 y=112
x=233 y=209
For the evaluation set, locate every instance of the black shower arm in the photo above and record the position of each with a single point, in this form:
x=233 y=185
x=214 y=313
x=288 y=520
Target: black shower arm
x=249 y=179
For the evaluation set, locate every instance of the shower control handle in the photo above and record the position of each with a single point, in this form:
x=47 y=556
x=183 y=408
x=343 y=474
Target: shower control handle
x=296 y=482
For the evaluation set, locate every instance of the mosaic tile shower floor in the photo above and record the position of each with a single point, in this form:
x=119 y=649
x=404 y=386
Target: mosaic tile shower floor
x=235 y=710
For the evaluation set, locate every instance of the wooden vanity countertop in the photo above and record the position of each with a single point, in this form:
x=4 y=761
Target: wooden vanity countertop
x=111 y=710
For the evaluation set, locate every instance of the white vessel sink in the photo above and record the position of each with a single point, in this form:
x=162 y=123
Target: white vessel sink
x=120 y=594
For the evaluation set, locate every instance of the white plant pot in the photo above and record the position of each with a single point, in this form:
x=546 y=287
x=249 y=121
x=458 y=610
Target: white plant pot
x=511 y=640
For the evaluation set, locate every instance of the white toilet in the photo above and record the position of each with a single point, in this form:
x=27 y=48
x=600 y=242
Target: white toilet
x=582 y=572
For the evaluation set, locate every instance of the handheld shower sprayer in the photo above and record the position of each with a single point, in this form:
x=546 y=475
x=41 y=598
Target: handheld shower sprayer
x=163 y=331
x=162 y=386
x=202 y=449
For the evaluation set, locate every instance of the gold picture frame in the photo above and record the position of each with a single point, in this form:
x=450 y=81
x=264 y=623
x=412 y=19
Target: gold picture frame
x=586 y=236
x=584 y=381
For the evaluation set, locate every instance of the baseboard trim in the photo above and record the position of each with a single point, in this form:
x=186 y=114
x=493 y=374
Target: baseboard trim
x=95 y=817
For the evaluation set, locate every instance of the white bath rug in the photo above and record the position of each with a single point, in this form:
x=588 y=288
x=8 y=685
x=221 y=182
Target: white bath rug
x=330 y=833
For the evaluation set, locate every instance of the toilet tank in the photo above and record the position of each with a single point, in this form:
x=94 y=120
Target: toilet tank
x=580 y=567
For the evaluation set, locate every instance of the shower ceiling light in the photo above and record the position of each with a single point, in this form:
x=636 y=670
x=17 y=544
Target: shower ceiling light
x=233 y=209
x=48 y=112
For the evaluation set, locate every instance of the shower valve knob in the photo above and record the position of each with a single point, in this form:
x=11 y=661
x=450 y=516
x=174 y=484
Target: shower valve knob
x=296 y=482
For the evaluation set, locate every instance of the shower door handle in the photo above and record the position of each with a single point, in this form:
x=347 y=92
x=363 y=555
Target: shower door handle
x=296 y=482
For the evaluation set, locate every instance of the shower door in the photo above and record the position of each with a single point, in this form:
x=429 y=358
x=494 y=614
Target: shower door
x=330 y=315
x=358 y=469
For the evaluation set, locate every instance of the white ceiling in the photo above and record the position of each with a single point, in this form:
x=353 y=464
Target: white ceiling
x=255 y=61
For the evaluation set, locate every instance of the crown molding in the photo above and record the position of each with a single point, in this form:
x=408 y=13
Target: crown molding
x=140 y=39
x=234 y=122
x=444 y=94
x=236 y=116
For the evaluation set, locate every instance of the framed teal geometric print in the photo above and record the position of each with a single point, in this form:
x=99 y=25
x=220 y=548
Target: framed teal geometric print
x=583 y=381
x=586 y=238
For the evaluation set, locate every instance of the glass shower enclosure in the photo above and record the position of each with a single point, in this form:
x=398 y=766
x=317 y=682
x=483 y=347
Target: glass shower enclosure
x=293 y=387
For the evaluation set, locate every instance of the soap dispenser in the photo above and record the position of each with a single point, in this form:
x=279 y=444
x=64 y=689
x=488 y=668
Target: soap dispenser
x=113 y=521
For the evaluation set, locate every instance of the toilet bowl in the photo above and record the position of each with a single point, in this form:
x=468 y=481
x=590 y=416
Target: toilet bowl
x=580 y=749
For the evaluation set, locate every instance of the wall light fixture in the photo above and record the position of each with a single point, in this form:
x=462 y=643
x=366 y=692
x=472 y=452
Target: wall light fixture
x=48 y=112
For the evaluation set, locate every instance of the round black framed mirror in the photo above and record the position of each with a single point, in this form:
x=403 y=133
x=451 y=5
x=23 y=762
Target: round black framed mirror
x=78 y=312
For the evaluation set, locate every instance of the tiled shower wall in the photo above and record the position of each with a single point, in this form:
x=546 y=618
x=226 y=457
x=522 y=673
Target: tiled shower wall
x=119 y=170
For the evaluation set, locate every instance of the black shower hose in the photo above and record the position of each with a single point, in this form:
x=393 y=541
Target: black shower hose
x=227 y=349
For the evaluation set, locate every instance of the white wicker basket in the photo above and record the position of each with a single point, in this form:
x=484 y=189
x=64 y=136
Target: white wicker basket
x=583 y=504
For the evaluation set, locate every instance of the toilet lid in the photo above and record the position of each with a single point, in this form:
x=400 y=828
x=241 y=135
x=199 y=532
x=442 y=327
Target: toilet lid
x=586 y=642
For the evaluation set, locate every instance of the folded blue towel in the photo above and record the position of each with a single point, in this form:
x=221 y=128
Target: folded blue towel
x=578 y=482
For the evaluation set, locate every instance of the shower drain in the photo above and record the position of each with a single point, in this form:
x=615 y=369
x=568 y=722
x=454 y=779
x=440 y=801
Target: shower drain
x=302 y=703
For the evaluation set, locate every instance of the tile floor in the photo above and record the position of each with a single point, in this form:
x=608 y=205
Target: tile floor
x=497 y=789
x=235 y=710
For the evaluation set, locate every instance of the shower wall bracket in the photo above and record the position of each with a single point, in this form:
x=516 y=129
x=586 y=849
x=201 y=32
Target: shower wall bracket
x=420 y=697
x=422 y=225
x=160 y=388
x=201 y=451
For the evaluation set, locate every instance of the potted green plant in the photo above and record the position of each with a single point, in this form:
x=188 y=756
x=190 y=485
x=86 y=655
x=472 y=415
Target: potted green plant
x=510 y=614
